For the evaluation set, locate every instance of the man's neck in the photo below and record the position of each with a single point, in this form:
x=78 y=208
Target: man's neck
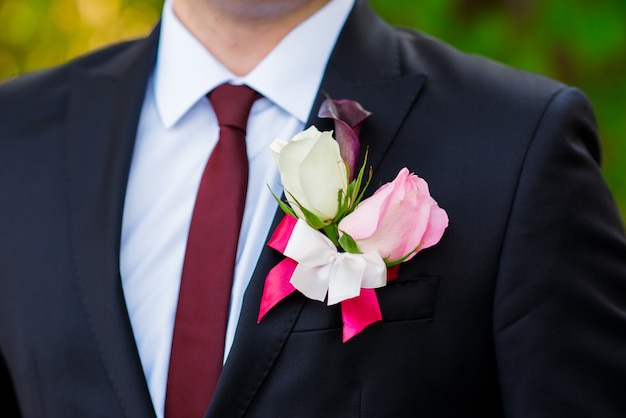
x=240 y=33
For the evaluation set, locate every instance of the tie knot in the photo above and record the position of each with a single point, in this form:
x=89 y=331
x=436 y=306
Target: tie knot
x=232 y=105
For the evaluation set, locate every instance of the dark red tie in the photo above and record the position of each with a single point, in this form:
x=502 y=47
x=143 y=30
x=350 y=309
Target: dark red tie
x=207 y=277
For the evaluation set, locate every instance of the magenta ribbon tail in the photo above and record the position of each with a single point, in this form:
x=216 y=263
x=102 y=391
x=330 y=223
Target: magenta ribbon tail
x=359 y=312
x=277 y=283
x=282 y=233
x=277 y=286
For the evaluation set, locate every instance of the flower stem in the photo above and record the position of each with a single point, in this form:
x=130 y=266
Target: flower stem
x=332 y=233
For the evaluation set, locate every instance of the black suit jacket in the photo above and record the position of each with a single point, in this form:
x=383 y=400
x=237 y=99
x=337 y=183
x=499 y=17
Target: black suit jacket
x=520 y=310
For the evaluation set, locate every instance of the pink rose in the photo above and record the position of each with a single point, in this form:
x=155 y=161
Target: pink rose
x=400 y=217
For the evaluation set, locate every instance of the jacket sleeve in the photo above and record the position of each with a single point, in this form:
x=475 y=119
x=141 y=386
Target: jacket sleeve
x=560 y=297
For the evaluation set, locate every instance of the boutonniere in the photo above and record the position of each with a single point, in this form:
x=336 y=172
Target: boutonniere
x=338 y=246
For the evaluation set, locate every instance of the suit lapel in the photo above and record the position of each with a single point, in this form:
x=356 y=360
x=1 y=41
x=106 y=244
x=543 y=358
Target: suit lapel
x=100 y=139
x=359 y=69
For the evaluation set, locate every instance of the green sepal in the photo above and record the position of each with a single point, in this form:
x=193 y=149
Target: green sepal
x=403 y=259
x=353 y=194
x=342 y=206
x=359 y=197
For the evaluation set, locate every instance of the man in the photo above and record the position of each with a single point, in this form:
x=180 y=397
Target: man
x=519 y=311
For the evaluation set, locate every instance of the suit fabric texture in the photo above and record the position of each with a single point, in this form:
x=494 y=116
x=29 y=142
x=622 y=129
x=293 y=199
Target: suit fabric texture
x=520 y=310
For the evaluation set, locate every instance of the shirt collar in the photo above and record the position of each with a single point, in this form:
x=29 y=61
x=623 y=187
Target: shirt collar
x=185 y=71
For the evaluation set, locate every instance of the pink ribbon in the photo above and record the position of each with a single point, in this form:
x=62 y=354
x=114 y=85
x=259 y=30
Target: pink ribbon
x=357 y=313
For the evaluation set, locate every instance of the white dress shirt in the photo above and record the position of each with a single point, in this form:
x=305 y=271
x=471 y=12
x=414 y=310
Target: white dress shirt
x=176 y=134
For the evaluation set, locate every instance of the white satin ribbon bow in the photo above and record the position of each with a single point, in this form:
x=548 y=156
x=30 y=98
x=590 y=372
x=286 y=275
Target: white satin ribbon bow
x=323 y=270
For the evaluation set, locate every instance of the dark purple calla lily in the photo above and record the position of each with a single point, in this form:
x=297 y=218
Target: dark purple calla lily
x=348 y=116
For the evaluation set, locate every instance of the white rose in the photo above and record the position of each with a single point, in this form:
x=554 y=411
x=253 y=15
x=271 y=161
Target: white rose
x=312 y=172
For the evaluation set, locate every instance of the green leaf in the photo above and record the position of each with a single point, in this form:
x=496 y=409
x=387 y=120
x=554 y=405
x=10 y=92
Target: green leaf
x=311 y=218
x=349 y=244
x=284 y=206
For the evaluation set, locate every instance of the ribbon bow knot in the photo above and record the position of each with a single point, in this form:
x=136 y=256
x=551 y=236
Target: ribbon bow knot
x=322 y=270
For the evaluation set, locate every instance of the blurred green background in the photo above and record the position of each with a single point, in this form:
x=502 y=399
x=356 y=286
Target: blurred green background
x=581 y=42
